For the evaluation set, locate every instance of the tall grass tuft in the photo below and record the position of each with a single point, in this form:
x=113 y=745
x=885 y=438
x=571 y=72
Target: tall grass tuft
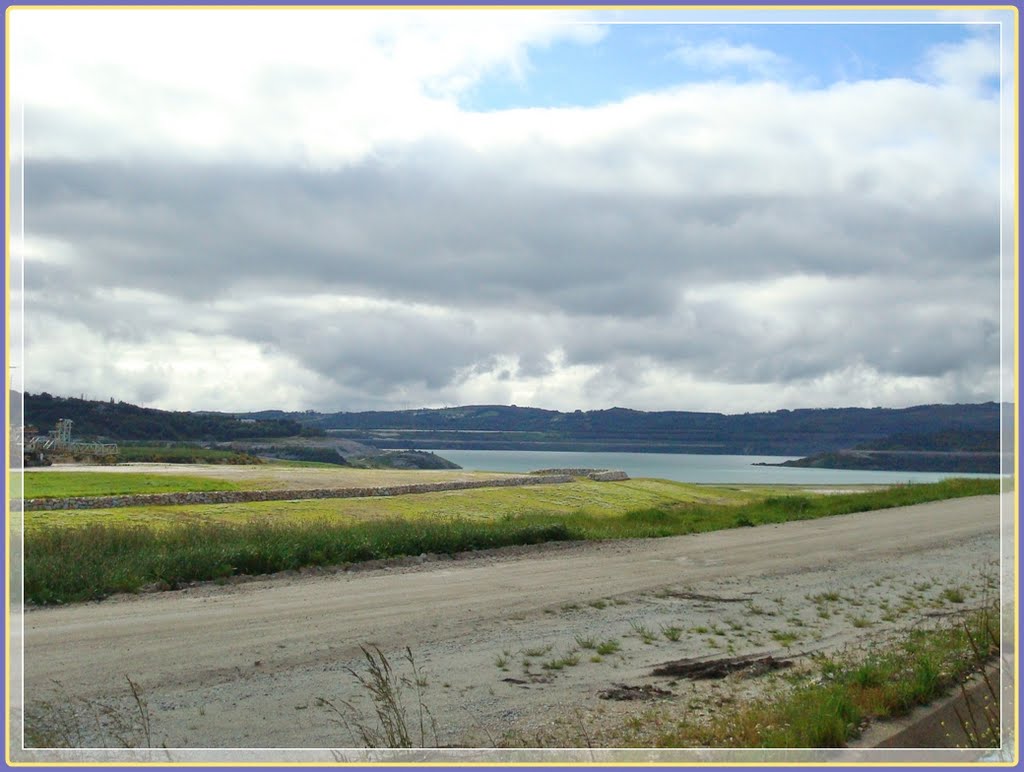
x=392 y=726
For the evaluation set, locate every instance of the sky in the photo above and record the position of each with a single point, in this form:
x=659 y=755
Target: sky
x=369 y=209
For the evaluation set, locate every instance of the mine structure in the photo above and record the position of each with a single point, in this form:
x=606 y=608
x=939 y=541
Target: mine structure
x=43 y=450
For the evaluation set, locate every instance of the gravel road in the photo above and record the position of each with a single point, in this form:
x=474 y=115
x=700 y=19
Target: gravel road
x=243 y=666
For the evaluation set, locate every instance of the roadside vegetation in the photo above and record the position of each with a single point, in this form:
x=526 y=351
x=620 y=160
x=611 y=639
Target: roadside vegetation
x=831 y=704
x=66 y=563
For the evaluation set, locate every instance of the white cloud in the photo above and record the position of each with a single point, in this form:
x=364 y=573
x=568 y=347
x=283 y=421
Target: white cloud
x=316 y=86
x=722 y=55
x=966 y=65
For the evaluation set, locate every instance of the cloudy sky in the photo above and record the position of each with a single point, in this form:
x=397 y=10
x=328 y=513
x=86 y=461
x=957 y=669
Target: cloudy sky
x=347 y=210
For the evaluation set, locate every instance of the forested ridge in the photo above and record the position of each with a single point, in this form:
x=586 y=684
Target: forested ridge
x=960 y=427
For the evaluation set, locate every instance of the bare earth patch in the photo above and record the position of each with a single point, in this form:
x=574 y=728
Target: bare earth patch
x=515 y=648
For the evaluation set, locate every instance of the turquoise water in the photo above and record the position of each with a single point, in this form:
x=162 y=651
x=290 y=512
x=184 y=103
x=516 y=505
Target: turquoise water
x=684 y=467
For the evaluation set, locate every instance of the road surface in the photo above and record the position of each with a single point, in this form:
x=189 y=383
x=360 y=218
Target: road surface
x=245 y=665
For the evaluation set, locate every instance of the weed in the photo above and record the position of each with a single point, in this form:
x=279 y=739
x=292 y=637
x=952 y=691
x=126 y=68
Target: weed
x=954 y=594
x=831 y=597
x=569 y=660
x=753 y=608
x=671 y=633
x=645 y=634
x=868 y=674
x=786 y=637
x=598 y=604
x=385 y=688
x=859 y=621
x=608 y=647
x=537 y=651
x=586 y=643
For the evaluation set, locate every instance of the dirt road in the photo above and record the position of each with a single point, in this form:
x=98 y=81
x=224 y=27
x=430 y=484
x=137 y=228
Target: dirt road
x=495 y=636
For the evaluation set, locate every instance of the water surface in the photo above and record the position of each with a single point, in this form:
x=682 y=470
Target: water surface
x=684 y=467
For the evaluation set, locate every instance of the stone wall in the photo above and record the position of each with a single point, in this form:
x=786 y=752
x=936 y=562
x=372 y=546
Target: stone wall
x=608 y=475
x=600 y=475
x=237 y=497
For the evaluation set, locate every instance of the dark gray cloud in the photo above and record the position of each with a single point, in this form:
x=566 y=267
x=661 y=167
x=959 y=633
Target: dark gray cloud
x=193 y=230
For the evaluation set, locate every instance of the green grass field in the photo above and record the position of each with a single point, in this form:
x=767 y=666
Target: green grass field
x=599 y=499
x=62 y=484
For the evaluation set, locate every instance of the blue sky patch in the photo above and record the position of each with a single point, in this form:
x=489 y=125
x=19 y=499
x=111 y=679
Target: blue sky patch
x=637 y=58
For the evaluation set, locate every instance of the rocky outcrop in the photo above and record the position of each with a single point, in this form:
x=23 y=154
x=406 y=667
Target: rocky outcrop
x=238 y=497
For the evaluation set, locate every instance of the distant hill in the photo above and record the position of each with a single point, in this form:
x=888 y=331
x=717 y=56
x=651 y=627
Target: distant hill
x=124 y=421
x=950 y=440
x=952 y=450
x=783 y=432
